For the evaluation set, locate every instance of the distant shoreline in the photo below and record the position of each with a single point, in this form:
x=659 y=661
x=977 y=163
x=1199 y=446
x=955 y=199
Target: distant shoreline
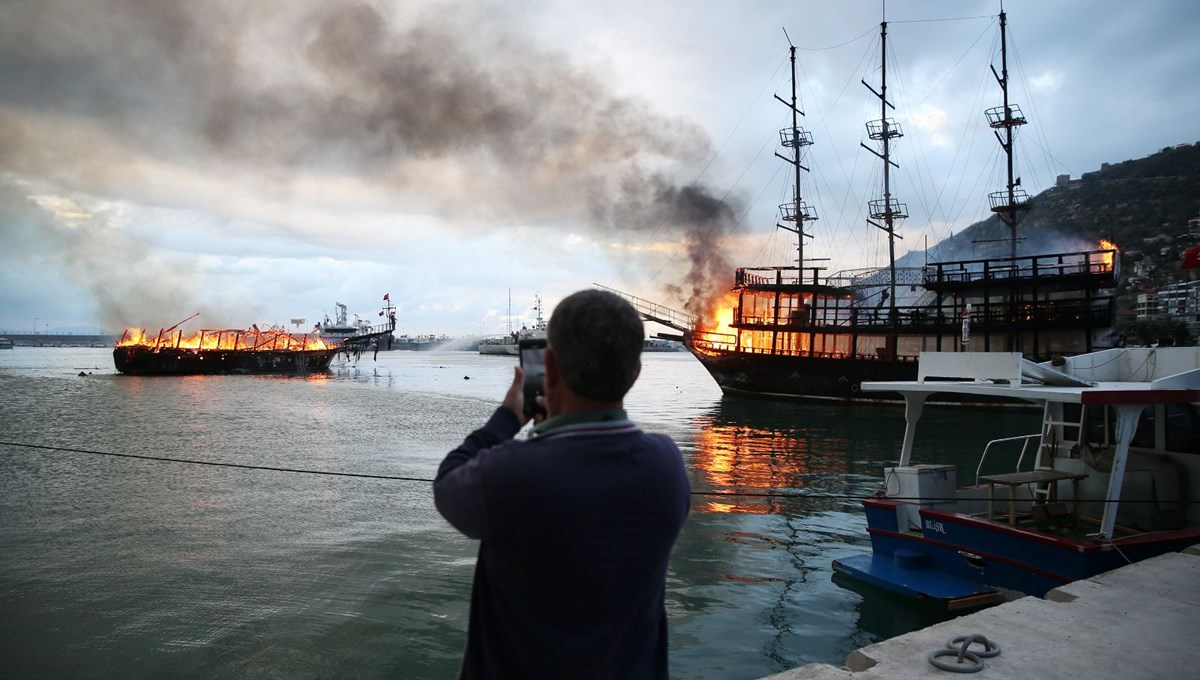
x=60 y=339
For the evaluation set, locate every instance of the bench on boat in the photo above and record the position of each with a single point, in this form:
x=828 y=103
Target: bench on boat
x=1015 y=479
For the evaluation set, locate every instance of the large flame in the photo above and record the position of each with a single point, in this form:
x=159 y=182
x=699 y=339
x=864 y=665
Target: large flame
x=252 y=339
x=763 y=329
x=1111 y=250
x=720 y=315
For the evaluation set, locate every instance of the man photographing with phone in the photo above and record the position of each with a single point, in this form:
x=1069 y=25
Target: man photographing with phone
x=577 y=522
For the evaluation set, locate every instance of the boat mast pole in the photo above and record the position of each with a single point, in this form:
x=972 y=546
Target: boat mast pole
x=1010 y=203
x=887 y=209
x=1008 y=131
x=795 y=138
x=1013 y=201
x=797 y=168
x=887 y=174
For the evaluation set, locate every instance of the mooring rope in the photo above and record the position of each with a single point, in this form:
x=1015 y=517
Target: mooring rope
x=401 y=478
x=966 y=661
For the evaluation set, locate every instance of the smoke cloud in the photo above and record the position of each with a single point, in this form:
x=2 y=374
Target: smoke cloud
x=442 y=107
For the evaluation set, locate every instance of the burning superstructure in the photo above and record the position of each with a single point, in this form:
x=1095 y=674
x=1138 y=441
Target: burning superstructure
x=795 y=331
x=208 y=351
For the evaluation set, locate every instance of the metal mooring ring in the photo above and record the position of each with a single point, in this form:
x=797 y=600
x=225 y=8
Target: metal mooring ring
x=989 y=650
x=967 y=662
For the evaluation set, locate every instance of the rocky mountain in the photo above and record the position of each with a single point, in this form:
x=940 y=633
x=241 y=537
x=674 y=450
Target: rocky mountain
x=1142 y=205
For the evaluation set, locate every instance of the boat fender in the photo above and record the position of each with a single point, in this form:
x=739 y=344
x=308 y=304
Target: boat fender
x=973 y=559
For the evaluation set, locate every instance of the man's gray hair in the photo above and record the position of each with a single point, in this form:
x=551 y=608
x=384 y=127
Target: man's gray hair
x=597 y=340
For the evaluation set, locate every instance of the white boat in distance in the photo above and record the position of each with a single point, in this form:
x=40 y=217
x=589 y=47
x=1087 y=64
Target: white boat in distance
x=506 y=345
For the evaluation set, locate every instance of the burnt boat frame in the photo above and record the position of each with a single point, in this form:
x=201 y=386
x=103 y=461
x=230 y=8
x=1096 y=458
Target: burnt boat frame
x=142 y=360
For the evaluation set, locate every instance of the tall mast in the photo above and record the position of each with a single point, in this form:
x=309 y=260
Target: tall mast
x=795 y=138
x=887 y=208
x=1013 y=202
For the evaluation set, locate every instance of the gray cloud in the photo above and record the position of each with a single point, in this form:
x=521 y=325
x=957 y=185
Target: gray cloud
x=442 y=106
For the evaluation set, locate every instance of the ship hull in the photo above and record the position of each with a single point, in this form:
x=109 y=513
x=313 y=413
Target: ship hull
x=498 y=349
x=802 y=377
x=138 y=360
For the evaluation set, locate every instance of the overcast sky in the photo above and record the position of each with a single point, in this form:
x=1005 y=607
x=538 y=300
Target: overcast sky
x=259 y=161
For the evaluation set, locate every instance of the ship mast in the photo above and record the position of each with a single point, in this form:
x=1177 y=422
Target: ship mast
x=795 y=138
x=887 y=209
x=1010 y=204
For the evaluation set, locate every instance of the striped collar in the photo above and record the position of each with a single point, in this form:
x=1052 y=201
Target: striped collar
x=581 y=422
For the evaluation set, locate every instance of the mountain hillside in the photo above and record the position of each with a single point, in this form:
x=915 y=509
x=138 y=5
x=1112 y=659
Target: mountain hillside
x=1126 y=203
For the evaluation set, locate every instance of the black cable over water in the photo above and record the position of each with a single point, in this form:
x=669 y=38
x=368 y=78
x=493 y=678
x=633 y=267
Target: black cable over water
x=740 y=494
x=163 y=459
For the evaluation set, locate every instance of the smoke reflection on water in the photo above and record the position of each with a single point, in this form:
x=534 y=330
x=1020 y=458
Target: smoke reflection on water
x=144 y=569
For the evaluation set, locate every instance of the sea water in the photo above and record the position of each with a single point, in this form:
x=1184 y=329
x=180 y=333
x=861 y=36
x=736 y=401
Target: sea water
x=134 y=567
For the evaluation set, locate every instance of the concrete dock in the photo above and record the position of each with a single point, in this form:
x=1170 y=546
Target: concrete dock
x=1139 y=621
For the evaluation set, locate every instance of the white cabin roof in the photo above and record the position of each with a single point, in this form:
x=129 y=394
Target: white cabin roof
x=1133 y=375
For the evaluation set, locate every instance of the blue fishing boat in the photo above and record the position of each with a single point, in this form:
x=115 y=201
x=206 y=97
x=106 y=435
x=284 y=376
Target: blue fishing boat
x=1110 y=479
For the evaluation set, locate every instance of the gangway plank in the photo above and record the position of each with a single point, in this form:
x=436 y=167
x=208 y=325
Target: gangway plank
x=652 y=311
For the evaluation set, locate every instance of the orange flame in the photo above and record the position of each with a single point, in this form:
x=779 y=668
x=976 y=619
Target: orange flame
x=1107 y=257
x=720 y=315
x=252 y=339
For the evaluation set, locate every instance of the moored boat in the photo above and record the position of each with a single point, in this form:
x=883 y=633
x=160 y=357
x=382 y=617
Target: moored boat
x=419 y=343
x=340 y=329
x=506 y=345
x=793 y=331
x=662 y=345
x=1110 y=478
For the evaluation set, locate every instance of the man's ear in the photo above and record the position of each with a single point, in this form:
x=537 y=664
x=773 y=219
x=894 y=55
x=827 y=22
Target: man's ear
x=552 y=375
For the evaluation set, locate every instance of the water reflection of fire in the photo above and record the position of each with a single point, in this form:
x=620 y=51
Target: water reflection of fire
x=272 y=339
x=757 y=460
x=1107 y=257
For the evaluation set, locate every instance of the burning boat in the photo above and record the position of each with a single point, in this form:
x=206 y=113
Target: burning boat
x=792 y=331
x=209 y=351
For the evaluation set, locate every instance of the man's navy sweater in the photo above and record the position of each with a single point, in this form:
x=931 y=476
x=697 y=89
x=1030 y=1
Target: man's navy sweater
x=577 y=525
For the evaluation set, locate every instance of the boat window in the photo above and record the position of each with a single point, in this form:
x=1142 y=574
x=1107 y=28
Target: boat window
x=1183 y=428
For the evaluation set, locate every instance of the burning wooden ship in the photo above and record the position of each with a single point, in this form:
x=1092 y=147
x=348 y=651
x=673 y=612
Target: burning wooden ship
x=209 y=351
x=791 y=331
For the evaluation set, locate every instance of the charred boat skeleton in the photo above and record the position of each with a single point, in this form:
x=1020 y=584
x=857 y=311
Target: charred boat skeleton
x=209 y=351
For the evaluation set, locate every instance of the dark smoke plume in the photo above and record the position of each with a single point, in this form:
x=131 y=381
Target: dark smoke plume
x=444 y=106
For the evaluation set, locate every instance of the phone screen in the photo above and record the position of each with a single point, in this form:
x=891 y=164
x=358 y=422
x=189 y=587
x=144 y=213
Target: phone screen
x=533 y=362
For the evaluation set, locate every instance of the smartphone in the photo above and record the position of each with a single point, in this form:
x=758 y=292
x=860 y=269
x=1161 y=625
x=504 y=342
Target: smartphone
x=533 y=362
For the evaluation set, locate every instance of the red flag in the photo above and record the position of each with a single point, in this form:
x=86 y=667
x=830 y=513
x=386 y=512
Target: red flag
x=385 y=296
x=381 y=313
x=1191 y=258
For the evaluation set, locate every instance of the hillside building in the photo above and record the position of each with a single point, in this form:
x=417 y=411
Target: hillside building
x=1175 y=302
